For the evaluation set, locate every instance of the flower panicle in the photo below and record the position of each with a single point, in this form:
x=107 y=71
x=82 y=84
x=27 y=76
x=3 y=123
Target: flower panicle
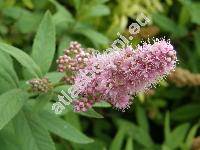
x=118 y=75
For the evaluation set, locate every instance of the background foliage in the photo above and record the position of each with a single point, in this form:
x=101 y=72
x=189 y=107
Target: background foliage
x=166 y=118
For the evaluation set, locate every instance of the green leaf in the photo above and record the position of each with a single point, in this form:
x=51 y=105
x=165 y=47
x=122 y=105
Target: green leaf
x=63 y=129
x=26 y=21
x=6 y=80
x=42 y=100
x=184 y=16
x=142 y=118
x=129 y=144
x=62 y=14
x=63 y=43
x=177 y=136
x=13 y=12
x=28 y=3
x=91 y=113
x=77 y=4
x=96 y=37
x=99 y=10
x=24 y=59
x=8 y=76
x=164 y=23
x=167 y=126
x=44 y=43
x=6 y=63
x=191 y=135
x=73 y=119
x=136 y=133
x=54 y=77
x=194 y=9
x=8 y=142
x=183 y=113
x=10 y=104
x=164 y=147
x=102 y=104
x=33 y=136
x=94 y=11
x=169 y=25
x=118 y=140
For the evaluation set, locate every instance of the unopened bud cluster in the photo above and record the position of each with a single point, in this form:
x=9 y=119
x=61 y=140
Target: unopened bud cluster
x=40 y=85
x=74 y=59
x=67 y=79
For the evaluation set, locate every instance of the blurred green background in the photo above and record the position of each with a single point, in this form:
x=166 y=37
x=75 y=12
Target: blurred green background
x=165 y=118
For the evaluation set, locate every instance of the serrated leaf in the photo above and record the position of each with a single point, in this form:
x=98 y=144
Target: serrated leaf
x=44 y=43
x=33 y=136
x=24 y=59
x=63 y=129
x=10 y=104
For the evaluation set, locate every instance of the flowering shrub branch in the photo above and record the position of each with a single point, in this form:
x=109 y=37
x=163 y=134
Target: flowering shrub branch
x=115 y=76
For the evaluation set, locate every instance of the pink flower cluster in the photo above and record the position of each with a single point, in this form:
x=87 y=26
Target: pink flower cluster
x=83 y=104
x=118 y=75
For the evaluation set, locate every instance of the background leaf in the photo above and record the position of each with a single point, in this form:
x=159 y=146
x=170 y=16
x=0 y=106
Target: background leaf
x=33 y=136
x=22 y=58
x=10 y=104
x=44 y=43
x=63 y=129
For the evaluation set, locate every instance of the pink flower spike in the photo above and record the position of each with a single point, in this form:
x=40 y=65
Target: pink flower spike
x=118 y=75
